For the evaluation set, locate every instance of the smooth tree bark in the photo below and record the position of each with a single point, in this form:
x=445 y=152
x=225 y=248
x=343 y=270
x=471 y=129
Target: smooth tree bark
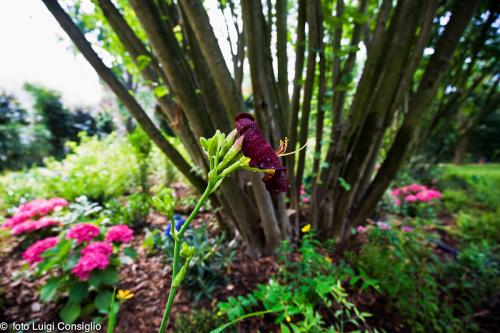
x=346 y=102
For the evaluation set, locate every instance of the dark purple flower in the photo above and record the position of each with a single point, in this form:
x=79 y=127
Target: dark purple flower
x=261 y=154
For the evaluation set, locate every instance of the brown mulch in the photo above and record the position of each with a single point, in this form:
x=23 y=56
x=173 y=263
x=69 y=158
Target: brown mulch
x=19 y=300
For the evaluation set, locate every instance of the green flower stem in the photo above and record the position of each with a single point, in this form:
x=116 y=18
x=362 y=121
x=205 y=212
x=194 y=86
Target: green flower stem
x=177 y=257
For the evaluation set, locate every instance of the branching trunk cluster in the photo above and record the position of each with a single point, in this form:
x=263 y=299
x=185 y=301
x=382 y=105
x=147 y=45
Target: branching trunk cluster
x=348 y=125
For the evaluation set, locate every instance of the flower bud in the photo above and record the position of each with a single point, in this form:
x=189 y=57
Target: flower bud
x=229 y=141
x=187 y=251
x=231 y=154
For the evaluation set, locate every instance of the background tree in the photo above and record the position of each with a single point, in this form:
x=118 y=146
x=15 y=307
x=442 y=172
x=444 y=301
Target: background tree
x=470 y=92
x=62 y=123
x=367 y=81
x=21 y=143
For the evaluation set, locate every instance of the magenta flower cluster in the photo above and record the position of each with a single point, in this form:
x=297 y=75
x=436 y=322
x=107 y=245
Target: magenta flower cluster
x=30 y=216
x=414 y=193
x=34 y=209
x=95 y=255
x=119 y=233
x=303 y=194
x=33 y=254
x=32 y=225
x=83 y=232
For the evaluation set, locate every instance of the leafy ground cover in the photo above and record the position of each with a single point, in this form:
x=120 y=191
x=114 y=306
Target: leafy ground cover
x=429 y=262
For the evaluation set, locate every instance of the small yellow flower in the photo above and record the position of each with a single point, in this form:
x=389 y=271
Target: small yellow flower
x=177 y=28
x=306 y=228
x=328 y=259
x=288 y=319
x=124 y=295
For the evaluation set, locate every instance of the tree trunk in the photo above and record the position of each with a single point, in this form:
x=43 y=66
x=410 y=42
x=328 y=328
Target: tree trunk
x=461 y=149
x=203 y=96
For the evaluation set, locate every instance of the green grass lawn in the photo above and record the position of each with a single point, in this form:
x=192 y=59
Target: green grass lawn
x=491 y=171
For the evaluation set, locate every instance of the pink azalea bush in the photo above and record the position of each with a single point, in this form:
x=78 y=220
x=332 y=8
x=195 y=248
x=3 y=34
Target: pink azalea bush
x=33 y=254
x=303 y=195
x=414 y=193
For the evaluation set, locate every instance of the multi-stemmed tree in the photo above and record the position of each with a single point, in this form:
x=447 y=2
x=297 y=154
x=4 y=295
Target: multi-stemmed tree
x=361 y=82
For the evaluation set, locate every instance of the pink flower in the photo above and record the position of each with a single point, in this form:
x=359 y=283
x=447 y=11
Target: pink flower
x=424 y=196
x=397 y=202
x=83 y=232
x=417 y=188
x=404 y=190
x=306 y=200
x=88 y=262
x=361 y=229
x=94 y=255
x=410 y=198
x=407 y=229
x=302 y=190
x=120 y=233
x=19 y=218
x=34 y=208
x=434 y=194
x=383 y=226
x=58 y=202
x=32 y=205
x=101 y=247
x=396 y=192
x=37 y=207
x=428 y=195
x=31 y=225
x=33 y=254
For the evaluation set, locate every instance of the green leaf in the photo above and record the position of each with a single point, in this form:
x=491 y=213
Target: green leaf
x=160 y=91
x=143 y=61
x=284 y=328
x=95 y=279
x=78 y=292
x=49 y=289
x=130 y=252
x=344 y=184
x=109 y=276
x=56 y=255
x=103 y=301
x=70 y=312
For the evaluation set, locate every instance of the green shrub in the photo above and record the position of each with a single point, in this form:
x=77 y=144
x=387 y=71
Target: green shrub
x=455 y=200
x=198 y=321
x=209 y=266
x=141 y=147
x=472 y=280
x=99 y=169
x=481 y=183
x=477 y=226
x=406 y=269
x=132 y=212
x=305 y=296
